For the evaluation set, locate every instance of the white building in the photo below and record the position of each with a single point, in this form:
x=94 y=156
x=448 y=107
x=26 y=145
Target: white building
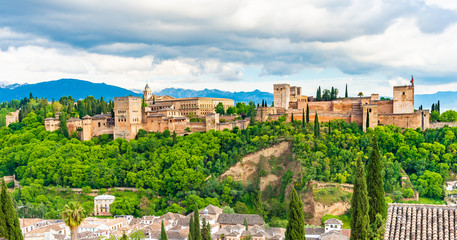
x=102 y=204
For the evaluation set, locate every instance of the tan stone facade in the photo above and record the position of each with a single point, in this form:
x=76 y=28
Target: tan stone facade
x=12 y=117
x=164 y=114
x=399 y=111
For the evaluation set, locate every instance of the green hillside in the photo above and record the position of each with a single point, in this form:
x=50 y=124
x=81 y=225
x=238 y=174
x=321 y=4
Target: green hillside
x=173 y=173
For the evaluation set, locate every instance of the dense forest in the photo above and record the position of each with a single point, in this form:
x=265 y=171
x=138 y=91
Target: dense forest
x=173 y=173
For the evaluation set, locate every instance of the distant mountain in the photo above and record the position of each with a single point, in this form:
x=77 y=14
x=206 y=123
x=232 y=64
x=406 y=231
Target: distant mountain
x=64 y=87
x=255 y=96
x=448 y=100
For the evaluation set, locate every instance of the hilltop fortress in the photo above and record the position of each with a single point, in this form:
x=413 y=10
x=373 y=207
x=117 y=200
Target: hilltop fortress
x=399 y=111
x=159 y=113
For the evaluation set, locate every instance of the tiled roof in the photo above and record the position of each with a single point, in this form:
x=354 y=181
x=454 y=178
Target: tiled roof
x=419 y=221
x=333 y=235
x=314 y=231
x=333 y=221
x=213 y=210
x=252 y=219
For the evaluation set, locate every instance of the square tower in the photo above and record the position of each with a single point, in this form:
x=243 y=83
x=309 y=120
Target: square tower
x=281 y=95
x=127 y=117
x=403 y=99
x=295 y=93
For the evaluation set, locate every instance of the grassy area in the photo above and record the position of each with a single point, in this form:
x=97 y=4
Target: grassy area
x=346 y=219
x=331 y=195
x=424 y=200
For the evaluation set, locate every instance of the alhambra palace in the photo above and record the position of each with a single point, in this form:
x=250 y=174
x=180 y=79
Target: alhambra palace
x=161 y=113
x=173 y=114
x=399 y=111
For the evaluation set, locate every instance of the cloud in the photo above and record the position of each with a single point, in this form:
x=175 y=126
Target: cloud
x=215 y=42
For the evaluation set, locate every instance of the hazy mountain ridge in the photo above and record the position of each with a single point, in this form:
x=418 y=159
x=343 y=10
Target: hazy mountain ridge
x=255 y=96
x=75 y=88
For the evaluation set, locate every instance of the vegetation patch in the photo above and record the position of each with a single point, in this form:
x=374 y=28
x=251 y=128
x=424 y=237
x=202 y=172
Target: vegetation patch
x=331 y=195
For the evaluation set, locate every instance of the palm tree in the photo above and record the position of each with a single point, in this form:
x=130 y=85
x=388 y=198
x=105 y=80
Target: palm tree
x=73 y=215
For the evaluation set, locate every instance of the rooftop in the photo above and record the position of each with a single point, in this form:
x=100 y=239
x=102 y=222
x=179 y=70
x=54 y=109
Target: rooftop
x=420 y=221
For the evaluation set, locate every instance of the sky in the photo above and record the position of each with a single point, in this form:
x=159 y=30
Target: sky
x=233 y=45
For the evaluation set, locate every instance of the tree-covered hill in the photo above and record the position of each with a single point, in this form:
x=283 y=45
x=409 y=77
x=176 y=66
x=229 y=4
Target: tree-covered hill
x=176 y=172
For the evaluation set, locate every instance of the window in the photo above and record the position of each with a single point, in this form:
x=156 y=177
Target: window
x=403 y=93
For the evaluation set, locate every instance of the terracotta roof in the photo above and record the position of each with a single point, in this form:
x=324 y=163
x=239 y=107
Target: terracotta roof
x=333 y=235
x=419 y=221
x=314 y=231
x=73 y=119
x=30 y=221
x=333 y=221
x=87 y=117
x=252 y=219
x=211 y=209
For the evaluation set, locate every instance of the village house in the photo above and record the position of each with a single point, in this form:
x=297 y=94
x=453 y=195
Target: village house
x=333 y=230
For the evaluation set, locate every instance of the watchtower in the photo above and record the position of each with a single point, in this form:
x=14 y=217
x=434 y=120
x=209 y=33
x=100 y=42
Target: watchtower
x=147 y=93
x=127 y=117
x=403 y=99
x=281 y=95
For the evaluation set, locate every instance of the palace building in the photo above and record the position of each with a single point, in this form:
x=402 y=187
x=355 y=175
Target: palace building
x=399 y=111
x=159 y=113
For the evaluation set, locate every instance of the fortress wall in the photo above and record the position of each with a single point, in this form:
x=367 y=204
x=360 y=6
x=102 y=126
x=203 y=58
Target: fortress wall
x=385 y=106
x=197 y=126
x=442 y=124
x=407 y=120
x=324 y=106
x=73 y=126
x=343 y=106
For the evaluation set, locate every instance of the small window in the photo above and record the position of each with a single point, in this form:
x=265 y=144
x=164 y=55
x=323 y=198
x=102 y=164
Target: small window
x=370 y=109
x=403 y=93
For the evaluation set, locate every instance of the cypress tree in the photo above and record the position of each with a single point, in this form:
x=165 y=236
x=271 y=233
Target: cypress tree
x=292 y=118
x=332 y=93
x=439 y=108
x=329 y=127
x=307 y=113
x=368 y=119
x=346 y=92
x=3 y=232
x=197 y=232
x=208 y=231
x=375 y=186
x=316 y=126
x=206 y=235
x=191 y=228
x=433 y=107
x=303 y=118
x=296 y=225
x=163 y=234
x=359 y=205
x=13 y=228
x=246 y=224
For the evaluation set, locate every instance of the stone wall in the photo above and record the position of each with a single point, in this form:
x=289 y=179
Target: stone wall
x=281 y=95
x=403 y=99
x=418 y=119
x=442 y=124
x=12 y=117
x=369 y=111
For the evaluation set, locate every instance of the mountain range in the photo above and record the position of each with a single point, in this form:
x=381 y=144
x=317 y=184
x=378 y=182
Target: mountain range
x=79 y=89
